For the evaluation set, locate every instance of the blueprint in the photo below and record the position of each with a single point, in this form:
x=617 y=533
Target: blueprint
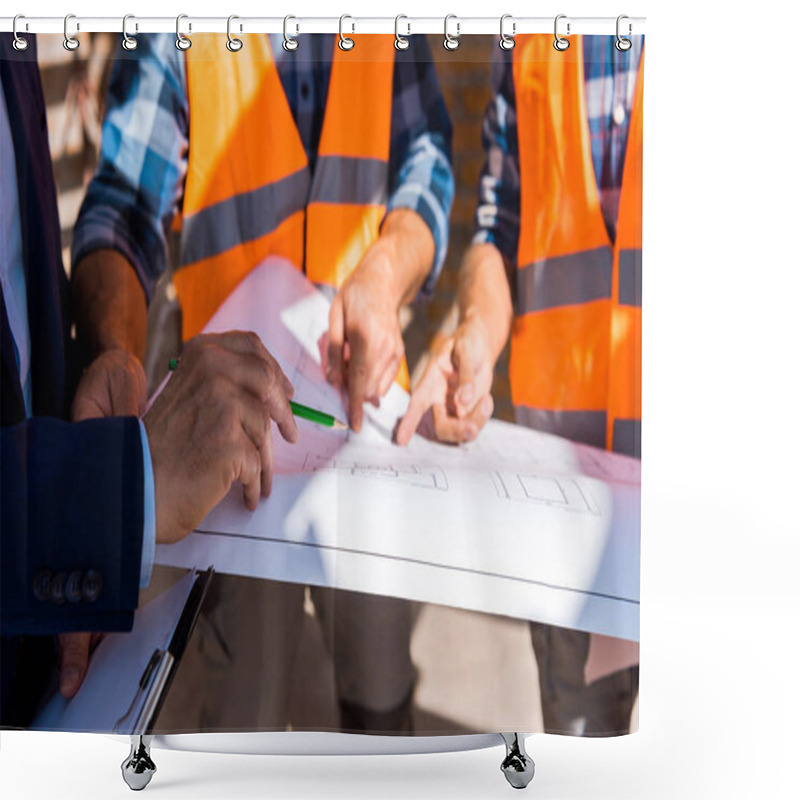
x=517 y=523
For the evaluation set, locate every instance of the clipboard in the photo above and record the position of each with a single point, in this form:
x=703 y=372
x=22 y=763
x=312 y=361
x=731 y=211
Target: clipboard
x=130 y=674
x=158 y=674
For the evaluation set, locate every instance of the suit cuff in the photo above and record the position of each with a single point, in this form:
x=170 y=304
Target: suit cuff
x=149 y=532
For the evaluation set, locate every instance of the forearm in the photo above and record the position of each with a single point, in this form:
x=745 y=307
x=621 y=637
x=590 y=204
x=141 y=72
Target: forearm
x=110 y=304
x=411 y=249
x=484 y=294
x=72 y=503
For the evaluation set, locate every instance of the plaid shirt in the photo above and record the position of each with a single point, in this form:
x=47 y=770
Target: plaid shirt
x=610 y=81
x=138 y=186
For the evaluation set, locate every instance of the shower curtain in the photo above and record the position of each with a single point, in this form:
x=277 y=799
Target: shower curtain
x=435 y=254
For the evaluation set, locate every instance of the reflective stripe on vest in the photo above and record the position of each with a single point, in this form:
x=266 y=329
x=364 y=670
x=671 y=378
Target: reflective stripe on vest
x=576 y=342
x=249 y=192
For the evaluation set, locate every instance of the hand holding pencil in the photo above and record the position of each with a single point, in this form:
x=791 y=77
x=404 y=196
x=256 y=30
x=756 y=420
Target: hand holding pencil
x=211 y=426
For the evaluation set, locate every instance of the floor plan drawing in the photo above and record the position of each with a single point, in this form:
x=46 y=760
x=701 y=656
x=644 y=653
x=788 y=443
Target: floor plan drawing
x=561 y=492
x=426 y=477
x=518 y=522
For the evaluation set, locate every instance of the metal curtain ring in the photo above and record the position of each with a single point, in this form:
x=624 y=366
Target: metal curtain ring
x=20 y=43
x=560 y=42
x=71 y=43
x=623 y=45
x=345 y=42
x=128 y=42
x=233 y=44
x=507 y=42
x=400 y=42
x=182 y=42
x=289 y=42
x=451 y=42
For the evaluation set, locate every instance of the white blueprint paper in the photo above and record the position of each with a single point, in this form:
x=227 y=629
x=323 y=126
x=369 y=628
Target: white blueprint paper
x=517 y=523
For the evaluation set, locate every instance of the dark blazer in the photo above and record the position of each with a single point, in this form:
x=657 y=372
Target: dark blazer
x=71 y=512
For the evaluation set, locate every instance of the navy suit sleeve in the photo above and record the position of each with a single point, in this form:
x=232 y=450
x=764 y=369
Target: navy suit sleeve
x=72 y=521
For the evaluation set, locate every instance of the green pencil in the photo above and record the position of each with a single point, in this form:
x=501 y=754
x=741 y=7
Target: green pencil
x=299 y=410
x=311 y=414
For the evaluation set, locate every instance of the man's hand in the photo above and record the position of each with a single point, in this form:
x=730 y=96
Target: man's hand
x=365 y=344
x=73 y=656
x=211 y=426
x=456 y=385
x=114 y=385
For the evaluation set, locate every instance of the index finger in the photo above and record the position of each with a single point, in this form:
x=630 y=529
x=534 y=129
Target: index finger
x=422 y=398
x=357 y=374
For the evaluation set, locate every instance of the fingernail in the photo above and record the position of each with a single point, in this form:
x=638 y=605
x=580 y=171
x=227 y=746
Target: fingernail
x=465 y=394
x=471 y=432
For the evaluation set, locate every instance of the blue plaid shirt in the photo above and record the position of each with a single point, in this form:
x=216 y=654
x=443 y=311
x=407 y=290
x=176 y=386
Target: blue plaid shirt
x=610 y=81
x=139 y=183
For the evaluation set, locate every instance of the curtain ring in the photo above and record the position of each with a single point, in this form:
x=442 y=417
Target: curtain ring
x=71 y=43
x=289 y=42
x=400 y=42
x=128 y=42
x=233 y=44
x=507 y=42
x=622 y=44
x=451 y=42
x=560 y=42
x=20 y=43
x=182 y=42
x=345 y=42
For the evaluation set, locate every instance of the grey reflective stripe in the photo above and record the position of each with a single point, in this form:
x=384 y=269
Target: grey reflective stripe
x=627 y=437
x=630 y=278
x=565 y=280
x=357 y=181
x=588 y=427
x=242 y=218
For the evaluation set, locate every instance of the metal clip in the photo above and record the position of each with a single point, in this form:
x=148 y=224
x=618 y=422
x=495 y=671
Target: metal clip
x=400 y=42
x=451 y=42
x=507 y=42
x=345 y=42
x=71 y=43
x=233 y=44
x=182 y=42
x=623 y=45
x=560 y=42
x=128 y=42
x=20 y=43
x=290 y=44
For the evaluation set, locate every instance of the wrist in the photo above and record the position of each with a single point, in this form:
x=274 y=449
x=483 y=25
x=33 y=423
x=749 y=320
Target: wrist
x=473 y=324
x=411 y=250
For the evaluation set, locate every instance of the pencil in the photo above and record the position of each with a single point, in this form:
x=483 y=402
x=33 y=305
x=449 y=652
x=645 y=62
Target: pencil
x=299 y=410
x=320 y=417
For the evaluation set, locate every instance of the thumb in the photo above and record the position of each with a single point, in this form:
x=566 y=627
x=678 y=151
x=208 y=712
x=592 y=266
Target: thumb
x=467 y=361
x=74 y=661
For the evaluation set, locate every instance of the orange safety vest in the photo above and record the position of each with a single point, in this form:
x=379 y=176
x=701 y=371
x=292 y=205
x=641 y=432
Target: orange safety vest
x=576 y=342
x=249 y=190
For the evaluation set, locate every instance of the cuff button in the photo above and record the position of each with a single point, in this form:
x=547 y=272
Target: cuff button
x=42 y=585
x=57 y=587
x=73 y=588
x=91 y=586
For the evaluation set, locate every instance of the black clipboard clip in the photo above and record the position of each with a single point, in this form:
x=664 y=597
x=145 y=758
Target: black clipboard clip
x=157 y=675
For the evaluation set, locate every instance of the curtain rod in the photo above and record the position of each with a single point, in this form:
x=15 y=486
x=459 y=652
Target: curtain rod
x=404 y=25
